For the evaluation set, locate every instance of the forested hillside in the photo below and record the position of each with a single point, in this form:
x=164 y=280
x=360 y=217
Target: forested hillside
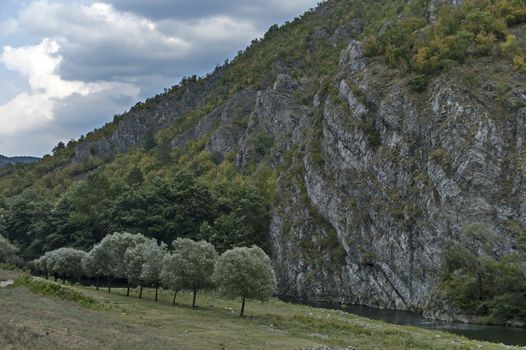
x=374 y=148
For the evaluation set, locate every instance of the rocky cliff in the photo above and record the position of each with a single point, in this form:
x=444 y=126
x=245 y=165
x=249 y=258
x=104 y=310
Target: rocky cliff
x=440 y=160
x=368 y=201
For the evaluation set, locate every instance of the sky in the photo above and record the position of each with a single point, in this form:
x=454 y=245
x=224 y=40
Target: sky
x=68 y=67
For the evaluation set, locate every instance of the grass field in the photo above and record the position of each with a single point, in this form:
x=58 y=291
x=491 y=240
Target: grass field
x=114 y=321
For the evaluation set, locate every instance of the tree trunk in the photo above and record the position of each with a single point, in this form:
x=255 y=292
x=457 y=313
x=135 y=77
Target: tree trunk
x=97 y=283
x=242 y=308
x=156 y=291
x=109 y=284
x=128 y=291
x=140 y=292
x=55 y=276
x=47 y=276
x=63 y=280
x=175 y=295
x=193 y=301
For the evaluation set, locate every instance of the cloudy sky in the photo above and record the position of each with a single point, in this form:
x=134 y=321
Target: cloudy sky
x=67 y=66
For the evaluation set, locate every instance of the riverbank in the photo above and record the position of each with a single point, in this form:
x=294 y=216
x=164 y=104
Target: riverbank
x=33 y=321
x=483 y=332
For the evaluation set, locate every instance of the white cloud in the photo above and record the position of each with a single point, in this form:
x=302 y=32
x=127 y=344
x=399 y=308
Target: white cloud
x=8 y=27
x=100 y=42
x=98 y=35
x=261 y=12
x=293 y=7
x=95 y=57
x=214 y=29
x=39 y=65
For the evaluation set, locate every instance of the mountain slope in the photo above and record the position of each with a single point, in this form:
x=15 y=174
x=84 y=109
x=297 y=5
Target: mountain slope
x=379 y=131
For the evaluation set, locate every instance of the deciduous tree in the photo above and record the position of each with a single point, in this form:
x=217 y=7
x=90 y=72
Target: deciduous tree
x=109 y=253
x=193 y=265
x=153 y=261
x=246 y=273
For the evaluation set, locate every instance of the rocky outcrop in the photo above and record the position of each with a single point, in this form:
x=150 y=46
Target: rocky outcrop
x=153 y=115
x=277 y=122
x=441 y=162
x=345 y=33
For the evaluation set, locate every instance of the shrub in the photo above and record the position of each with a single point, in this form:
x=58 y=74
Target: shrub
x=8 y=251
x=418 y=83
x=510 y=45
x=370 y=46
x=55 y=290
x=373 y=136
x=482 y=283
x=520 y=63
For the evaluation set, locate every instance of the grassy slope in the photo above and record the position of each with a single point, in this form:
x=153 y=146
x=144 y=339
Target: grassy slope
x=36 y=322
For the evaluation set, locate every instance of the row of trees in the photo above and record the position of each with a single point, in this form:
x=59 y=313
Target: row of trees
x=189 y=265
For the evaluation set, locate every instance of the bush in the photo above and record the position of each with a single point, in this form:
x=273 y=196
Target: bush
x=510 y=45
x=418 y=83
x=474 y=27
x=8 y=251
x=520 y=63
x=370 y=46
x=482 y=283
x=373 y=136
x=55 y=290
x=263 y=143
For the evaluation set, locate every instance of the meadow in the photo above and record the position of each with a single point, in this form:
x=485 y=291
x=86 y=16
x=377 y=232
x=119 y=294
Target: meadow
x=38 y=320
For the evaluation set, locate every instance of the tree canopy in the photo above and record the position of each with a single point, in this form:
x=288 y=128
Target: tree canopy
x=480 y=281
x=67 y=262
x=192 y=265
x=8 y=251
x=246 y=273
x=110 y=252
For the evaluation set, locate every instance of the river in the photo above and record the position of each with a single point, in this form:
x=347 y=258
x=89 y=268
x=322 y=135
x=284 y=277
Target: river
x=494 y=334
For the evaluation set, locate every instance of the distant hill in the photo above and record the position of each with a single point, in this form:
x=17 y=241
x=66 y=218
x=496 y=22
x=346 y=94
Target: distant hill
x=17 y=160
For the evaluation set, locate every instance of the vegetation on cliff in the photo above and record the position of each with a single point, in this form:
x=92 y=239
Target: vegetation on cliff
x=482 y=283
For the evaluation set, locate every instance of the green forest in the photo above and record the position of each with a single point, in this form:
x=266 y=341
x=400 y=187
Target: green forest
x=181 y=206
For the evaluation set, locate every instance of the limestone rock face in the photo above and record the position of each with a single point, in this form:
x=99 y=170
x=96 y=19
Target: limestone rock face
x=154 y=115
x=442 y=160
